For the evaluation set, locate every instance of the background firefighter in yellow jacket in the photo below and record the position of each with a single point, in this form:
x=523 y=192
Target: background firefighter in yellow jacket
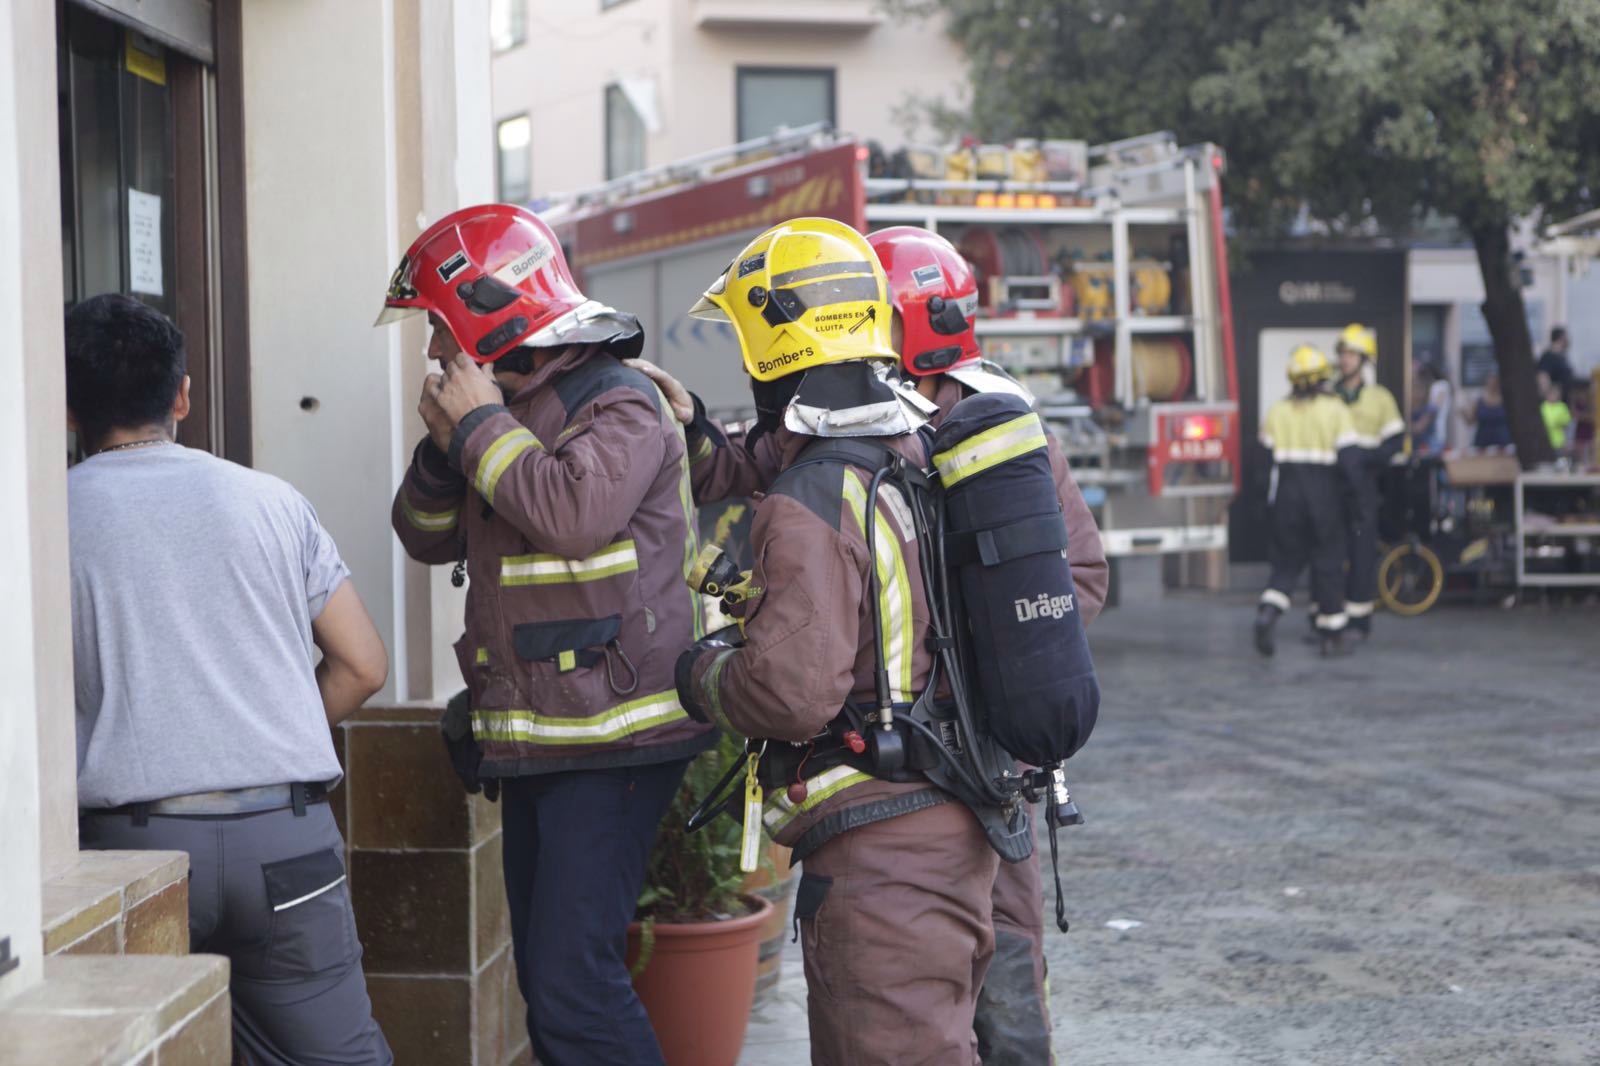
x=1312 y=441
x=893 y=905
x=1380 y=432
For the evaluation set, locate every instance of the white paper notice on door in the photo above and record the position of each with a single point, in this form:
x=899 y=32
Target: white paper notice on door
x=144 y=243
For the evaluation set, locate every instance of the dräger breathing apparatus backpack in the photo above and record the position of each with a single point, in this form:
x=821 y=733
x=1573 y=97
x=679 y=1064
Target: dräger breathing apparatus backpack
x=1012 y=677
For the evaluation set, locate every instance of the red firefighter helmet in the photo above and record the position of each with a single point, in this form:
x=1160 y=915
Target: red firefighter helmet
x=933 y=289
x=496 y=276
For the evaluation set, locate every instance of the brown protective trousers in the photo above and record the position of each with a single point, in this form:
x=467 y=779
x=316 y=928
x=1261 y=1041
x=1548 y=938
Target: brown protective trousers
x=897 y=938
x=1013 y=1019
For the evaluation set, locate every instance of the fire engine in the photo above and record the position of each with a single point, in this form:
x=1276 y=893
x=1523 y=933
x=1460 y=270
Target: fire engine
x=1103 y=286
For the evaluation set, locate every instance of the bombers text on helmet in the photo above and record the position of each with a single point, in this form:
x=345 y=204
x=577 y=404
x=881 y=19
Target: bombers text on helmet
x=805 y=293
x=936 y=294
x=1308 y=366
x=496 y=276
x=1359 y=338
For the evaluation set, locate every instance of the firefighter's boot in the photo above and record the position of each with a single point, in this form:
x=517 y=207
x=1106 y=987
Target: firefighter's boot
x=1333 y=646
x=1361 y=628
x=1266 y=619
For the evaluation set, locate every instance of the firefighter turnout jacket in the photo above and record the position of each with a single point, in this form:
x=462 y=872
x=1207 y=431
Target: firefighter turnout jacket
x=570 y=506
x=809 y=639
x=1313 y=441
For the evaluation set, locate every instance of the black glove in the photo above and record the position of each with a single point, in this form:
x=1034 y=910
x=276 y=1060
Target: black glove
x=462 y=746
x=683 y=671
x=700 y=426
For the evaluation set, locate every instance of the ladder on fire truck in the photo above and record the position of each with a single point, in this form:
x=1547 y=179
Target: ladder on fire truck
x=1167 y=461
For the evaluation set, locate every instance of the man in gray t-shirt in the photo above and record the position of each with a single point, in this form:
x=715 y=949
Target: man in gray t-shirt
x=201 y=591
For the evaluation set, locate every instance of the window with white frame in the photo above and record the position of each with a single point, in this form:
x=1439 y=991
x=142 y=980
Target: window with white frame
x=769 y=97
x=508 y=23
x=513 y=167
x=624 y=134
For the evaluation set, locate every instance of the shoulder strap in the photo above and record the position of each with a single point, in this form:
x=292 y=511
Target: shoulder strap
x=601 y=373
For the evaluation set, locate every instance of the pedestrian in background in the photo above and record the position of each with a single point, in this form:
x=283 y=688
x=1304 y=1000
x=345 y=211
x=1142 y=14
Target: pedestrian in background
x=1428 y=418
x=199 y=589
x=1555 y=362
x=1491 y=427
x=1554 y=412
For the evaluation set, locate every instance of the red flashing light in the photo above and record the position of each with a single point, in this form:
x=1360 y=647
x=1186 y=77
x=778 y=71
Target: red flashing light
x=1198 y=427
x=861 y=153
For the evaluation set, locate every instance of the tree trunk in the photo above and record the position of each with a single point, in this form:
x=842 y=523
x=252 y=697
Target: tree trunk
x=1513 y=346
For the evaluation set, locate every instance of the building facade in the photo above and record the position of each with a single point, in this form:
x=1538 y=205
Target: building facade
x=253 y=169
x=592 y=90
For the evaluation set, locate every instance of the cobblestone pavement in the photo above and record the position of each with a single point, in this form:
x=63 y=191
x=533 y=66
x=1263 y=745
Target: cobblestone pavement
x=1391 y=858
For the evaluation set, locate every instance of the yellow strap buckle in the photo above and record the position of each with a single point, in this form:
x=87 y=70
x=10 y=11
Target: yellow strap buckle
x=750 y=846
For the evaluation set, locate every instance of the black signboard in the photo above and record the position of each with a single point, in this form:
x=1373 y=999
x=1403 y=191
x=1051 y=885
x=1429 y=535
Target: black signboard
x=1276 y=293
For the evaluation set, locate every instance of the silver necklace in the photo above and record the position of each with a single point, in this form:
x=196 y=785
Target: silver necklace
x=133 y=444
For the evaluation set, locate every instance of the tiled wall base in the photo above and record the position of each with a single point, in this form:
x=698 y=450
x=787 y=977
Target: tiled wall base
x=119 y=902
x=425 y=876
x=146 y=1010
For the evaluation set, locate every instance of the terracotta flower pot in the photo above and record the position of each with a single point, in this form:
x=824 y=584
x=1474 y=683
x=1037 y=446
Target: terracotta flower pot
x=700 y=984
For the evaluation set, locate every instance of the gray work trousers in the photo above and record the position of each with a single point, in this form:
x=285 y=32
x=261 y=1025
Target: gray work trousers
x=268 y=890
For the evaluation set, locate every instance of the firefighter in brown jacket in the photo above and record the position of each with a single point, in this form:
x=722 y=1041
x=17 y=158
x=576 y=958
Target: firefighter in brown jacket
x=893 y=904
x=557 y=479
x=934 y=295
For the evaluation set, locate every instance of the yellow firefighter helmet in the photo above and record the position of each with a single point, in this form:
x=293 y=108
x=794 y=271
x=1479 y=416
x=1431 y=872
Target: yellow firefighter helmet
x=806 y=292
x=1308 y=366
x=1359 y=338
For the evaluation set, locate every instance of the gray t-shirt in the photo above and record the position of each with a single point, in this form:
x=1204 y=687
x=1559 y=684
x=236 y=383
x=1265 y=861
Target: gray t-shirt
x=194 y=585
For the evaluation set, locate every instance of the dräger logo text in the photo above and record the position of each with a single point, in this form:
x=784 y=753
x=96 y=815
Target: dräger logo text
x=1043 y=606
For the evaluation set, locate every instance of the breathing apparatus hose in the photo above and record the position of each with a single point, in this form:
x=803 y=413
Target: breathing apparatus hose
x=941 y=605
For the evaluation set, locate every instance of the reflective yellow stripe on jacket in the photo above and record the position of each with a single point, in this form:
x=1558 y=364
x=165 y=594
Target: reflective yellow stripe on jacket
x=781 y=810
x=429 y=521
x=1308 y=431
x=990 y=448
x=625 y=719
x=500 y=455
x=545 y=569
x=894 y=585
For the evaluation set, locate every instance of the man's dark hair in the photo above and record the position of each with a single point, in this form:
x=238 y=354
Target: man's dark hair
x=1559 y=333
x=124 y=365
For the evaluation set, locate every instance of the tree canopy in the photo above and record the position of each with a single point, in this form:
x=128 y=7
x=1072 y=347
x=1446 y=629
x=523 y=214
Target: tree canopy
x=1367 y=114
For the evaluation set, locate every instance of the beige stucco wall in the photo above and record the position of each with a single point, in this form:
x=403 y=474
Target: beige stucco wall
x=558 y=77
x=21 y=84
x=334 y=195
x=876 y=72
x=574 y=51
x=46 y=394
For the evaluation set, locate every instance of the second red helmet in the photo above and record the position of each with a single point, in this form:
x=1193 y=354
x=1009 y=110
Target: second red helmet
x=934 y=290
x=496 y=275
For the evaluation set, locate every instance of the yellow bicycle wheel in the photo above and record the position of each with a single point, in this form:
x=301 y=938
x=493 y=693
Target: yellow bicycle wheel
x=1410 y=579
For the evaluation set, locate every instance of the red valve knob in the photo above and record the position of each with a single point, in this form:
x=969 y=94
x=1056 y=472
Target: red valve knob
x=855 y=742
x=797 y=792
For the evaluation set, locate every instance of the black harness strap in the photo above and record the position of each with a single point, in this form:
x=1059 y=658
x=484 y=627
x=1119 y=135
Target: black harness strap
x=1026 y=536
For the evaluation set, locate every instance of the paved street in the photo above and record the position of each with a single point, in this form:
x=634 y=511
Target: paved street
x=1393 y=858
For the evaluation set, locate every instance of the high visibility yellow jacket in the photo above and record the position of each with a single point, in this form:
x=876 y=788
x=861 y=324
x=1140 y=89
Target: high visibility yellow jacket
x=1314 y=449
x=1380 y=431
x=1309 y=430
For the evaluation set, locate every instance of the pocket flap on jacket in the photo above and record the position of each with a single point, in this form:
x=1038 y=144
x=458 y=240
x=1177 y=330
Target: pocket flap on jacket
x=536 y=641
x=294 y=881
